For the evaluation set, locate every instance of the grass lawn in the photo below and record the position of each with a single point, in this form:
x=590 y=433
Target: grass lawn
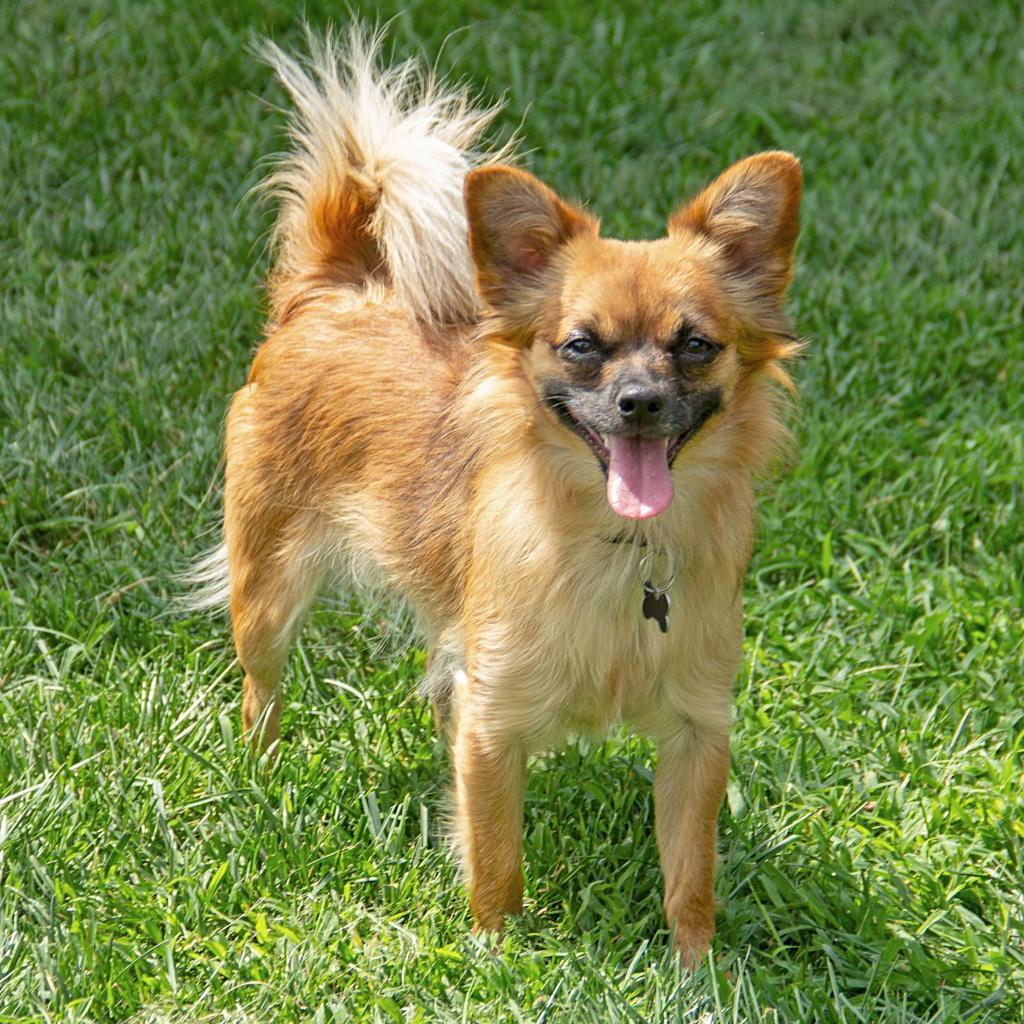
x=873 y=839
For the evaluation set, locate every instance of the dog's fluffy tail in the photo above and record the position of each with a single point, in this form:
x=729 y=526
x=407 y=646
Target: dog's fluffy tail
x=371 y=192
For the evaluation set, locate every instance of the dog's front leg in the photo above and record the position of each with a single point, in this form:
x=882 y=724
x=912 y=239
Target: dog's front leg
x=490 y=777
x=689 y=785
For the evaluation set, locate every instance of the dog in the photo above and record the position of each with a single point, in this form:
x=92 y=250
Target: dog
x=544 y=441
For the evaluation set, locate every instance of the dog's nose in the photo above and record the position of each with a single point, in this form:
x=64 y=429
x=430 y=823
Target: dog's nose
x=639 y=405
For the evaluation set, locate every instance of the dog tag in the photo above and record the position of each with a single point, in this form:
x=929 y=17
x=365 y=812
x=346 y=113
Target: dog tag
x=656 y=605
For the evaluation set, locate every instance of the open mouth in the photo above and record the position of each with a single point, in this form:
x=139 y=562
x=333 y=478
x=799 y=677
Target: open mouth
x=599 y=443
x=637 y=469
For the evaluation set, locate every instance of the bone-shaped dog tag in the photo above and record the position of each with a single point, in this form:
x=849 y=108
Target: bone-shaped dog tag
x=656 y=605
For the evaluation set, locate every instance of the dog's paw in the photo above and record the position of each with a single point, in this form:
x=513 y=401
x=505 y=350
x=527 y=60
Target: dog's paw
x=493 y=906
x=692 y=939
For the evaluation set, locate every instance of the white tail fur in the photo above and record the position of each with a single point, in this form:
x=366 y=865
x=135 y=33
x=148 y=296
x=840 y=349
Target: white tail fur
x=376 y=176
x=206 y=581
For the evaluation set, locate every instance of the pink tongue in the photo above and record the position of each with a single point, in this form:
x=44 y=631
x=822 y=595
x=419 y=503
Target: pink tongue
x=639 y=482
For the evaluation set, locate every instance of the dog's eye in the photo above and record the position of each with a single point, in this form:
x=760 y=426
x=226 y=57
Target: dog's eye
x=695 y=348
x=579 y=346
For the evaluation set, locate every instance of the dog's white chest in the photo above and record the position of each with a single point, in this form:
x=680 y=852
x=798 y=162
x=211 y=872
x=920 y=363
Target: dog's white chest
x=584 y=654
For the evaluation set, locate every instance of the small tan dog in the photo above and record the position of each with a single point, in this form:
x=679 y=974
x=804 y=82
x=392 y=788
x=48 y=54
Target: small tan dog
x=542 y=439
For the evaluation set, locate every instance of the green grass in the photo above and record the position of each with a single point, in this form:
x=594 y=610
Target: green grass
x=873 y=839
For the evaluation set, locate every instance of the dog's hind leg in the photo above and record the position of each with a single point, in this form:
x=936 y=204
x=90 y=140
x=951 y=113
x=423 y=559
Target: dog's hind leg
x=274 y=576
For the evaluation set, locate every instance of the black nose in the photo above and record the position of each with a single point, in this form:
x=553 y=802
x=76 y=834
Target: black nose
x=640 y=405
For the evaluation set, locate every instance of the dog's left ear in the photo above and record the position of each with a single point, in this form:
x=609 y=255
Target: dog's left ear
x=517 y=226
x=752 y=211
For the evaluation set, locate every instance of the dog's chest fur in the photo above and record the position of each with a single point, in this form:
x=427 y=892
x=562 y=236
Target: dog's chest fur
x=553 y=638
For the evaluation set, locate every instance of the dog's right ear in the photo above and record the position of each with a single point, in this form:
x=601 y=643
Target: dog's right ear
x=516 y=227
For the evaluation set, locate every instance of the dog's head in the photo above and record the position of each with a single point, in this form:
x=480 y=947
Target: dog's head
x=639 y=347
